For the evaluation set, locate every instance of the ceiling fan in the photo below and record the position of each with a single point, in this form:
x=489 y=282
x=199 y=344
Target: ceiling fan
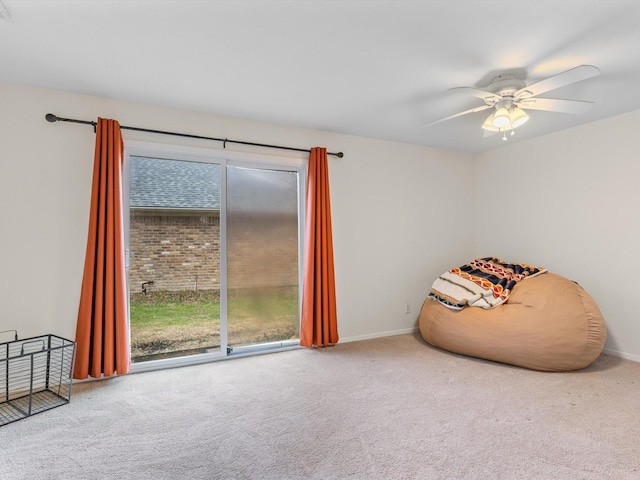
x=509 y=97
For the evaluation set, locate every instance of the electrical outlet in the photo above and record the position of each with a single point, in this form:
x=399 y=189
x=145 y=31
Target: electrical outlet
x=407 y=308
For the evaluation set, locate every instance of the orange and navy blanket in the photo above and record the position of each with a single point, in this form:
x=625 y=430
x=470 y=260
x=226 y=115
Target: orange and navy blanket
x=483 y=282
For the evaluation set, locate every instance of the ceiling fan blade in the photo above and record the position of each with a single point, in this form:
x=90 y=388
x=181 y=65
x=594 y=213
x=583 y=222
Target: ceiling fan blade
x=568 y=77
x=477 y=92
x=472 y=110
x=555 y=105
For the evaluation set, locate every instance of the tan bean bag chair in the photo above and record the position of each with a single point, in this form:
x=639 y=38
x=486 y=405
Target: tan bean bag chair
x=549 y=323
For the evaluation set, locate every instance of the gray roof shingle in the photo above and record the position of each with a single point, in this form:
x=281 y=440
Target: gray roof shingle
x=160 y=183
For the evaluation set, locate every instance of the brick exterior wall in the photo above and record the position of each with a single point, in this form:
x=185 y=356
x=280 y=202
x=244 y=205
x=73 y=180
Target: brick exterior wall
x=179 y=250
x=262 y=250
x=175 y=250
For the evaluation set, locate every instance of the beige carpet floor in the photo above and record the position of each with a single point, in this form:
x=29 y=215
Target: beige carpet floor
x=389 y=408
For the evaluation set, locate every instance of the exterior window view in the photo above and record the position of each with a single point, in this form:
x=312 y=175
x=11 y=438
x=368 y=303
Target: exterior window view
x=175 y=267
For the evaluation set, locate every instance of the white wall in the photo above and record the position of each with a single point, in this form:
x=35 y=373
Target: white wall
x=396 y=221
x=570 y=202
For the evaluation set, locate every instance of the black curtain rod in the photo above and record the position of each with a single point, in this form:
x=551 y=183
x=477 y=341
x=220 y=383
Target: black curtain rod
x=54 y=118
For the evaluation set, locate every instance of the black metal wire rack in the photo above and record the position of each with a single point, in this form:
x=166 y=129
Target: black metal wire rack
x=36 y=375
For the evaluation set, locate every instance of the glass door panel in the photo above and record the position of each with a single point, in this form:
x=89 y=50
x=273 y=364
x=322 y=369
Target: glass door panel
x=262 y=256
x=174 y=257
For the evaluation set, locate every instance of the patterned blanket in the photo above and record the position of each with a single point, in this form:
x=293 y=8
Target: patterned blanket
x=483 y=282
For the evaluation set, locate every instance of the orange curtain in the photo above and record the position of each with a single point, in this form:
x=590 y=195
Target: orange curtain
x=102 y=332
x=319 y=325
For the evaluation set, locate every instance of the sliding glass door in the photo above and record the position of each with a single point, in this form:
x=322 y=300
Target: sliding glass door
x=262 y=257
x=213 y=256
x=174 y=257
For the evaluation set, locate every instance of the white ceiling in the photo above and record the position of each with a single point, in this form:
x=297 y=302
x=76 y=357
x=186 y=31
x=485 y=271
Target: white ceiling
x=370 y=68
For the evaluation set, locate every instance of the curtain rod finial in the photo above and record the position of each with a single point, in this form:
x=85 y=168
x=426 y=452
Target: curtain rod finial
x=51 y=117
x=339 y=154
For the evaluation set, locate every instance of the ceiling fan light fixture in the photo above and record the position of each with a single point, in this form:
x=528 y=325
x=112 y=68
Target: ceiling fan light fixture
x=488 y=124
x=518 y=117
x=501 y=118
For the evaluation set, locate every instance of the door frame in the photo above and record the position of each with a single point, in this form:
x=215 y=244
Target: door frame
x=297 y=162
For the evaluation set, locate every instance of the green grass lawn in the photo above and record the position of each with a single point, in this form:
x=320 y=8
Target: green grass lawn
x=166 y=322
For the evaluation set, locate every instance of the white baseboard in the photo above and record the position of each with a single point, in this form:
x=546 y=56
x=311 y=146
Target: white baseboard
x=369 y=336
x=626 y=356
